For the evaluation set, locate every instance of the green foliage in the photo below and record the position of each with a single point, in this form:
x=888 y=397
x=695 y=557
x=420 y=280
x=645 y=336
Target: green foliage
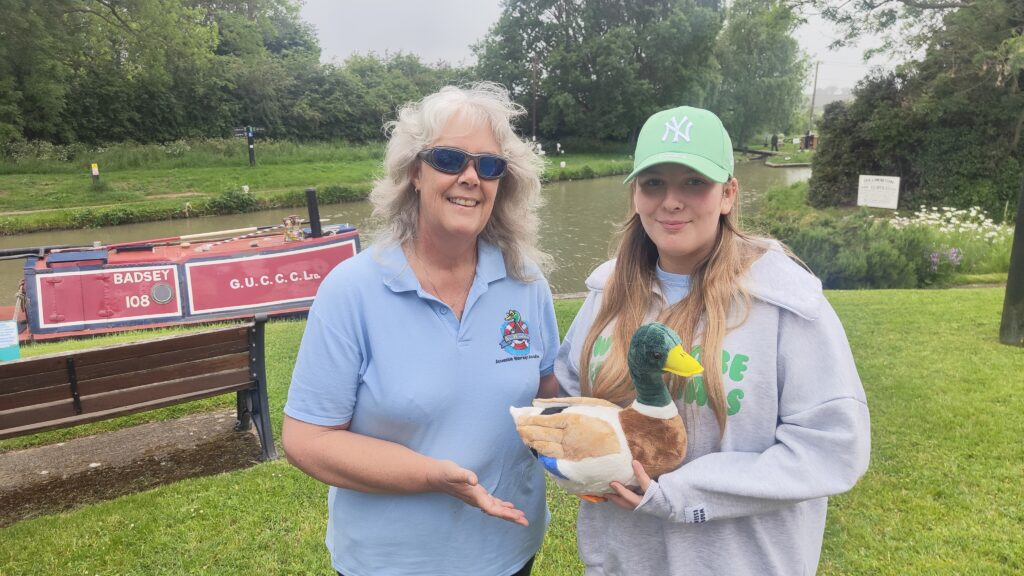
x=761 y=68
x=230 y=202
x=334 y=194
x=167 y=70
x=949 y=124
x=600 y=68
x=575 y=145
x=857 y=249
x=39 y=157
x=581 y=167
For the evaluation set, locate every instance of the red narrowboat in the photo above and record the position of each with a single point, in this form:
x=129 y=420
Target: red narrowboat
x=94 y=290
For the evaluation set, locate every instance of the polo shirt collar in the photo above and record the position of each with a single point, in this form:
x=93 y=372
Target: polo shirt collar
x=398 y=275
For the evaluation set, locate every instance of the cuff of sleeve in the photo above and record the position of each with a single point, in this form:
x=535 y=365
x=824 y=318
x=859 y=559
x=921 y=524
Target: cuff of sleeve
x=316 y=420
x=655 y=503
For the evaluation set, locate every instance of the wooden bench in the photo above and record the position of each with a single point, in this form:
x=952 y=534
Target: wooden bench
x=71 y=388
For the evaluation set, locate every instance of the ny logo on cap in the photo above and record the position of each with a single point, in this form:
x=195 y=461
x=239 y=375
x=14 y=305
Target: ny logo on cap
x=677 y=127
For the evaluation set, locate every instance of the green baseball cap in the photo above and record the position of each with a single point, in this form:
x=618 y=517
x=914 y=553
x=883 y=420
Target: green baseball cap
x=689 y=136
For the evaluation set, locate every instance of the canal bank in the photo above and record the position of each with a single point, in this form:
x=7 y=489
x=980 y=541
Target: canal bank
x=577 y=224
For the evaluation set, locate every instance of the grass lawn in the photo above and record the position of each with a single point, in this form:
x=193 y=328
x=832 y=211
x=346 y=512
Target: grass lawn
x=943 y=495
x=20 y=192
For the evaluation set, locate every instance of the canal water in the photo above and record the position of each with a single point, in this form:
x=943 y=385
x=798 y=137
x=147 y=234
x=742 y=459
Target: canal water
x=578 y=222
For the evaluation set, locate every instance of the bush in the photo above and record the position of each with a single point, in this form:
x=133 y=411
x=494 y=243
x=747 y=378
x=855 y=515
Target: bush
x=334 y=194
x=855 y=249
x=230 y=202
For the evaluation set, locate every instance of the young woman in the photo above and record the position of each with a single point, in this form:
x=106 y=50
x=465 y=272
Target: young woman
x=777 y=423
x=400 y=395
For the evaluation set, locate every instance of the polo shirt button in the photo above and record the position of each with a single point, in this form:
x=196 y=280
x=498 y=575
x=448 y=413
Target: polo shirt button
x=444 y=310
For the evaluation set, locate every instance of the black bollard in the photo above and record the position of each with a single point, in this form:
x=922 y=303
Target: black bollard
x=314 y=212
x=250 y=138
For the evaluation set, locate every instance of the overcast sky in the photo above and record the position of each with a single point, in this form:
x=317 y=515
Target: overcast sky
x=445 y=29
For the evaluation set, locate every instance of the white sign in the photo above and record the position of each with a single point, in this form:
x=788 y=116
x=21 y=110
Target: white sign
x=9 y=340
x=878 y=191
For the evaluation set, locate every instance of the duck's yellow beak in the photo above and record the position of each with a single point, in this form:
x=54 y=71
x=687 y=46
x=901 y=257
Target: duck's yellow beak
x=681 y=363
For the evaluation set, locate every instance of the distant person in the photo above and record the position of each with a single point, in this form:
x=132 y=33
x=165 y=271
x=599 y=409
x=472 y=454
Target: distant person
x=775 y=142
x=779 y=420
x=807 y=141
x=415 y=349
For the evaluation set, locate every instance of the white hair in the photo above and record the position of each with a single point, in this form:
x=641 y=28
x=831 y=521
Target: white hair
x=513 y=224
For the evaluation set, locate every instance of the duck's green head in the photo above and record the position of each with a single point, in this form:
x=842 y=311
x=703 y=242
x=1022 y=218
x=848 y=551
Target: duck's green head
x=656 y=348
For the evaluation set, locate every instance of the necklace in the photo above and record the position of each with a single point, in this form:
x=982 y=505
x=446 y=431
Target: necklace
x=459 y=303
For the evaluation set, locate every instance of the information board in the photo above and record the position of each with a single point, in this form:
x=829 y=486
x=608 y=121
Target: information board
x=878 y=191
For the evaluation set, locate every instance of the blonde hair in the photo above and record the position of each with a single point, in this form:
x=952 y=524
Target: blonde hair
x=513 y=224
x=716 y=295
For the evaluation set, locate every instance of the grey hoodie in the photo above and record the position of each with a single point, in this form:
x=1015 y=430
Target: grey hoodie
x=797 y=432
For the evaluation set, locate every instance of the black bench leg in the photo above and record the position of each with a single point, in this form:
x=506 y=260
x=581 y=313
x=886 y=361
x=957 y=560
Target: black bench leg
x=257 y=399
x=262 y=420
x=243 y=421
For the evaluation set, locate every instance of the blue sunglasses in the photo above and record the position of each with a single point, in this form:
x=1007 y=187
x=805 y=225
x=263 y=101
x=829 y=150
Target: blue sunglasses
x=454 y=161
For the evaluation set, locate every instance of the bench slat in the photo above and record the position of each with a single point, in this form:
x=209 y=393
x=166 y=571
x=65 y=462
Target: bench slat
x=37 y=413
x=87 y=368
x=141 y=394
x=35 y=396
x=44 y=378
x=152 y=375
x=11 y=372
x=95 y=416
x=149 y=348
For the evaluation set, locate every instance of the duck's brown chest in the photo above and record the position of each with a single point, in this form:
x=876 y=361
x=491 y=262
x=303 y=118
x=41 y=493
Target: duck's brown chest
x=660 y=445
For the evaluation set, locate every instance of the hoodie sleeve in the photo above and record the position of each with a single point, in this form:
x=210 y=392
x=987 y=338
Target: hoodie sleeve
x=822 y=440
x=567 y=363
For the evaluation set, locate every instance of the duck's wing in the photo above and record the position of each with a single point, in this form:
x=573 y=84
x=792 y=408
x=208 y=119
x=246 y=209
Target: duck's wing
x=568 y=435
x=572 y=401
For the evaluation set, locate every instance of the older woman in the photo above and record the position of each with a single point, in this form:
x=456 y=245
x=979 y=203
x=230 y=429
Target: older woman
x=415 y=349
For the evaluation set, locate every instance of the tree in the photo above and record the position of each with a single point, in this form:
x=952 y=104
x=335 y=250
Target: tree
x=967 y=95
x=903 y=25
x=761 y=67
x=34 y=73
x=601 y=67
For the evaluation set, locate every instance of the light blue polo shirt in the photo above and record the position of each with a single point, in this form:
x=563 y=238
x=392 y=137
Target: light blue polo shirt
x=381 y=353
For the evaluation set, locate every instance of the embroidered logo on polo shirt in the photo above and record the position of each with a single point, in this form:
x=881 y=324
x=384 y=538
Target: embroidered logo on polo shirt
x=515 y=334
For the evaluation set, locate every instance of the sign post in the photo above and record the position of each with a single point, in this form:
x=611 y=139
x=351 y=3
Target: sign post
x=250 y=137
x=878 y=191
x=95 y=169
x=251 y=140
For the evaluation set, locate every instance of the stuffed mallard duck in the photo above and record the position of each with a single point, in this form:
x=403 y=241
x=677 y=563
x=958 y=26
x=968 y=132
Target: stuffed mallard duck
x=587 y=443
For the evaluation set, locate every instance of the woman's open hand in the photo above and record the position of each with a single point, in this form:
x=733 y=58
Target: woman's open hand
x=452 y=479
